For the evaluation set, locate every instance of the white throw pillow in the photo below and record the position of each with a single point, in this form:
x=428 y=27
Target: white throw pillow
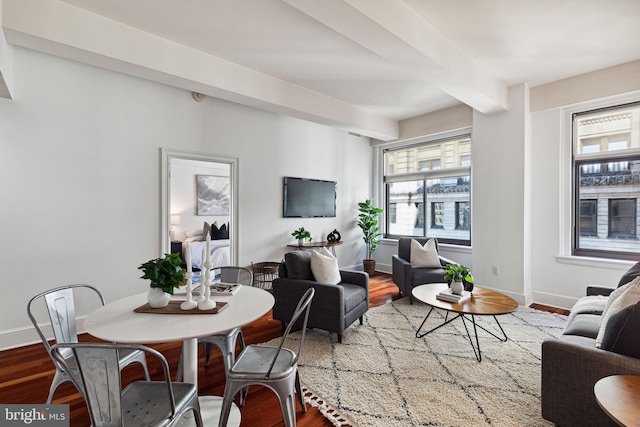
x=324 y=267
x=424 y=256
x=619 y=299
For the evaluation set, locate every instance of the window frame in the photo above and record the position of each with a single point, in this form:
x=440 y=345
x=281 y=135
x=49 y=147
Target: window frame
x=424 y=175
x=577 y=162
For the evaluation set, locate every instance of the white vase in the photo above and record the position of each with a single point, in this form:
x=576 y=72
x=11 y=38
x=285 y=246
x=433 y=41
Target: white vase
x=157 y=298
x=457 y=288
x=300 y=242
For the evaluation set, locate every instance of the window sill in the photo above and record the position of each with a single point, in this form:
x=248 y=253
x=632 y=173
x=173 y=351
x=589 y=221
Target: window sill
x=613 y=264
x=449 y=247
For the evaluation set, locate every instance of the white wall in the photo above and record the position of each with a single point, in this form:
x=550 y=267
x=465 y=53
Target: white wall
x=80 y=178
x=498 y=196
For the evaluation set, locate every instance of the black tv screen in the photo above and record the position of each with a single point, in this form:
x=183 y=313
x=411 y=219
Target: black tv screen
x=308 y=198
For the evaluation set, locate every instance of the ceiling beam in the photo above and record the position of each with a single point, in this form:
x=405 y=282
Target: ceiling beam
x=71 y=32
x=395 y=32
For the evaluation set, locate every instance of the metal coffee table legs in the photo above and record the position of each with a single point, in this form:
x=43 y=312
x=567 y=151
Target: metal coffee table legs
x=465 y=319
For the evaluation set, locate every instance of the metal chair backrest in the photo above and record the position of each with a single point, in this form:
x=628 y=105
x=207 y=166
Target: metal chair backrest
x=303 y=307
x=99 y=377
x=234 y=274
x=62 y=313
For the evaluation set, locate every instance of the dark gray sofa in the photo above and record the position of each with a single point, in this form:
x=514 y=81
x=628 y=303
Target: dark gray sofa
x=571 y=365
x=407 y=277
x=334 y=307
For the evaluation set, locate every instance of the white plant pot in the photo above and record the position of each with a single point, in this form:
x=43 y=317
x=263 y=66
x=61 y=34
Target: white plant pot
x=457 y=288
x=157 y=298
x=301 y=242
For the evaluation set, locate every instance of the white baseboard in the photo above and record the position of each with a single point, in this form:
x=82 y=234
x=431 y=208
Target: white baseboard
x=21 y=337
x=553 y=300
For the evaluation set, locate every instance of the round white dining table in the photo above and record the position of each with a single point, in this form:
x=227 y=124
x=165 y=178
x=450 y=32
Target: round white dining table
x=118 y=322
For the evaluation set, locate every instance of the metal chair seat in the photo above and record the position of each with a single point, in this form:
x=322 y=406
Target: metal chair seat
x=257 y=359
x=136 y=397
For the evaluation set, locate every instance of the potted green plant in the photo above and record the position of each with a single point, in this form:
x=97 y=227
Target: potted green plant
x=459 y=276
x=302 y=235
x=368 y=223
x=165 y=275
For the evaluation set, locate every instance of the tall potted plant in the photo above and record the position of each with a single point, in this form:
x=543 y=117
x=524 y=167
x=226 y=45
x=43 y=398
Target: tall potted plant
x=368 y=223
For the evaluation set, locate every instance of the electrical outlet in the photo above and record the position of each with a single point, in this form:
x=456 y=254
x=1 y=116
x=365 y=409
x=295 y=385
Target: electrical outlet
x=495 y=270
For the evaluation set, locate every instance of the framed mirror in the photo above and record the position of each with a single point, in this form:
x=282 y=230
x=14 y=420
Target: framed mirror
x=199 y=188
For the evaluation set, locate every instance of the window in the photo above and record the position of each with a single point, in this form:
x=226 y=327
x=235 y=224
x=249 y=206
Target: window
x=427 y=190
x=588 y=217
x=430 y=165
x=437 y=212
x=606 y=186
x=622 y=218
x=463 y=215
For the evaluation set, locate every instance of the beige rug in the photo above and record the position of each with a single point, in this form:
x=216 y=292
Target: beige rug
x=382 y=375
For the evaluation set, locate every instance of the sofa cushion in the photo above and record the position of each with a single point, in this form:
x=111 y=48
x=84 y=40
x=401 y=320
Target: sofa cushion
x=583 y=324
x=324 y=267
x=621 y=333
x=404 y=246
x=593 y=304
x=630 y=274
x=424 y=255
x=580 y=340
x=353 y=296
x=299 y=265
x=420 y=276
x=619 y=299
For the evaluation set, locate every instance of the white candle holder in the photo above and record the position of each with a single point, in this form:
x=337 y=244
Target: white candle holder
x=201 y=288
x=207 y=303
x=189 y=303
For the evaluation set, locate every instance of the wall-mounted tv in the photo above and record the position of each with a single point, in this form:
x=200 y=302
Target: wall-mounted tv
x=309 y=198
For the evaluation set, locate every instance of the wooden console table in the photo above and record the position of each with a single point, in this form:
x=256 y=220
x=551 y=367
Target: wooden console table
x=619 y=397
x=314 y=245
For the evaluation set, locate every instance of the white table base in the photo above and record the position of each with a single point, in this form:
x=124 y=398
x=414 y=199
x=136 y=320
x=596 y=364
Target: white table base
x=210 y=407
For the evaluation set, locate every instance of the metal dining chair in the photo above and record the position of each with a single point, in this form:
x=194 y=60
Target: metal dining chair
x=141 y=403
x=225 y=341
x=60 y=306
x=273 y=367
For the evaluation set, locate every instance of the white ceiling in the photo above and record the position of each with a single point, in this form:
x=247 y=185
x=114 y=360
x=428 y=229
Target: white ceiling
x=379 y=60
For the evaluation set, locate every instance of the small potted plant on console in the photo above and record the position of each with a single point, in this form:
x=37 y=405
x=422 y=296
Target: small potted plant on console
x=302 y=235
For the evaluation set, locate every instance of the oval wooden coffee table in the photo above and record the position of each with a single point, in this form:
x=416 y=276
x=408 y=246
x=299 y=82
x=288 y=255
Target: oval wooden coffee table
x=483 y=302
x=619 y=397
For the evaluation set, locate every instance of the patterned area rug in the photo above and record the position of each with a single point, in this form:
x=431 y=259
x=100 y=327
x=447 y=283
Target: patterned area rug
x=382 y=375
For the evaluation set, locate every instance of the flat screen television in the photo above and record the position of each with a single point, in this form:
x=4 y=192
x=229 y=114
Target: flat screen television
x=309 y=198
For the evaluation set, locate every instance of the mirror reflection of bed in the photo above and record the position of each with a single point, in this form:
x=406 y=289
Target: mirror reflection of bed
x=218 y=247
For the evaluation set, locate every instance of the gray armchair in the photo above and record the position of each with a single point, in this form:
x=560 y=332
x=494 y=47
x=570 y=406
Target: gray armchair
x=334 y=308
x=407 y=277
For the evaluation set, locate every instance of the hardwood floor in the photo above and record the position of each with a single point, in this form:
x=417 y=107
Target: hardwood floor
x=26 y=372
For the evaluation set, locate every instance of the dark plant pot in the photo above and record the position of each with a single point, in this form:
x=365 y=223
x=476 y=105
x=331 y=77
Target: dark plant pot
x=468 y=286
x=369 y=266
